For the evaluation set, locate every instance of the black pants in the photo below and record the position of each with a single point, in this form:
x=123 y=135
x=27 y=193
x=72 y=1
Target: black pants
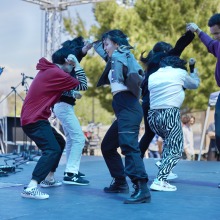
x=50 y=142
x=148 y=133
x=217 y=123
x=124 y=133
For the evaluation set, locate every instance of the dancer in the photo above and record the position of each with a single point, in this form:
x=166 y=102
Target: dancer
x=167 y=94
x=48 y=85
x=159 y=51
x=124 y=75
x=213 y=47
x=152 y=61
x=64 y=111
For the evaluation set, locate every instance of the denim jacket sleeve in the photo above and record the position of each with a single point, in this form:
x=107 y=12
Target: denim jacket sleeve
x=99 y=50
x=134 y=76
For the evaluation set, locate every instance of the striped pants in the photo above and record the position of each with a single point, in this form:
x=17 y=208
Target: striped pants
x=167 y=124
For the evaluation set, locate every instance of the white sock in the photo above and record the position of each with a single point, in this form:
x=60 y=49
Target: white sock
x=32 y=184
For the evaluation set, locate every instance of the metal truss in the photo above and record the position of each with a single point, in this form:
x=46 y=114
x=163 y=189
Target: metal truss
x=53 y=20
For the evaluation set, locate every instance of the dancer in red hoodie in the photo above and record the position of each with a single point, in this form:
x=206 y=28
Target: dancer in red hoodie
x=50 y=82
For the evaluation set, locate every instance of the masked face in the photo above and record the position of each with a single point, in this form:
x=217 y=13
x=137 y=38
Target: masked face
x=215 y=31
x=68 y=67
x=109 y=46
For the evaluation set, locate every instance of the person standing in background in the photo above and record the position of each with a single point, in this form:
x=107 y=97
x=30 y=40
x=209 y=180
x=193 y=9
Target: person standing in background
x=188 y=140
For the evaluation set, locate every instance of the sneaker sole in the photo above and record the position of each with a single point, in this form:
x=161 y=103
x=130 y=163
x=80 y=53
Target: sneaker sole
x=158 y=188
x=47 y=186
x=33 y=197
x=74 y=183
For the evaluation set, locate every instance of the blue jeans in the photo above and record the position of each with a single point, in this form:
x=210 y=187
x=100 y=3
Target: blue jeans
x=50 y=142
x=124 y=133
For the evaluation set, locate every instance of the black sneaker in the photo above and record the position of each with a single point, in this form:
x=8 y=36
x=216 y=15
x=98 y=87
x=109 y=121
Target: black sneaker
x=79 y=174
x=75 y=179
x=117 y=187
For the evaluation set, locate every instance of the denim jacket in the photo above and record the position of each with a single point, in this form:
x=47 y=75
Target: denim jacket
x=125 y=69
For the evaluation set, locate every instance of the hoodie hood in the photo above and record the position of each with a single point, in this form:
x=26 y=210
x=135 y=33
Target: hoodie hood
x=44 y=64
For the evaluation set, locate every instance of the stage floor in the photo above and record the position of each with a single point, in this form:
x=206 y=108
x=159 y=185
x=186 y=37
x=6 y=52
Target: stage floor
x=197 y=195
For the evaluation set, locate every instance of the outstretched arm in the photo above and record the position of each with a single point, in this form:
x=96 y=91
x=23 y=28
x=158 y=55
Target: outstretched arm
x=182 y=43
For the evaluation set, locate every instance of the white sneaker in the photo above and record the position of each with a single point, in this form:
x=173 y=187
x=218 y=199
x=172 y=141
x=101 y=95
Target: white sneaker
x=46 y=183
x=160 y=185
x=33 y=193
x=171 y=175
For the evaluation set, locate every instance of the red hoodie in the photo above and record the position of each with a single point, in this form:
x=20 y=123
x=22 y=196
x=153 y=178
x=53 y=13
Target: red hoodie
x=45 y=91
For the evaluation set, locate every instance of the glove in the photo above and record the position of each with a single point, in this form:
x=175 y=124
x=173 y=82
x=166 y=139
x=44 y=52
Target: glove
x=192 y=27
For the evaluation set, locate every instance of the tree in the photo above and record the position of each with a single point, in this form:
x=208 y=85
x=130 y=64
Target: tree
x=148 y=22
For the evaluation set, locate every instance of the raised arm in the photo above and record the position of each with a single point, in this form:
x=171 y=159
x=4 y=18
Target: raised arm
x=182 y=43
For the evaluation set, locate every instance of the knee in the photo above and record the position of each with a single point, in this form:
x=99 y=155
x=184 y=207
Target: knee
x=53 y=153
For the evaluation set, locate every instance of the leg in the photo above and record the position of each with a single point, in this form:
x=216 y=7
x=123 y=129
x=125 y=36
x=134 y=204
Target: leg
x=148 y=133
x=109 y=147
x=129 y=115
x=113 y=161
x=41 y=133
x=75 y=140
x=173 y=144
x=217 y=123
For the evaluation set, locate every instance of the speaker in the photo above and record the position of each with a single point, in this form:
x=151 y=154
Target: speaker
x=13 y=133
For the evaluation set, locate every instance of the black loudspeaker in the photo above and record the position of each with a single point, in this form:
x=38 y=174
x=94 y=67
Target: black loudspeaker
x=15 y=134
x=14 y=131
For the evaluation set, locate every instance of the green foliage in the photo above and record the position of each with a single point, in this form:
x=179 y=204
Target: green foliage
x=89 y=109
x=148 y=22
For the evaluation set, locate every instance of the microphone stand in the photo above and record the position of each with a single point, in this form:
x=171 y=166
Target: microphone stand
x=24 y=156
x=15 y=116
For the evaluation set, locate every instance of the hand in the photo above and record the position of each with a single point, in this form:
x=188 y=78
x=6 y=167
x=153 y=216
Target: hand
x=77 y=95
x=192 y=27
x=87 y=46
x=195 y=71
x=71 y=59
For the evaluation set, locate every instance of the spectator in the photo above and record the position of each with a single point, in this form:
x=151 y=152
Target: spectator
x=188 y=140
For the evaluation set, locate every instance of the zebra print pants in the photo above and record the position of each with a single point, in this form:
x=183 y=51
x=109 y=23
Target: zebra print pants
x=167 y=124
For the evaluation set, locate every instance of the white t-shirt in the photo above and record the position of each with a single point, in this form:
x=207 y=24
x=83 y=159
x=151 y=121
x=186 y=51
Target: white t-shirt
x=115 y=86
x=166 y=87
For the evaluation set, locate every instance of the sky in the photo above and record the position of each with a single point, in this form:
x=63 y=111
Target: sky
x=22 y=25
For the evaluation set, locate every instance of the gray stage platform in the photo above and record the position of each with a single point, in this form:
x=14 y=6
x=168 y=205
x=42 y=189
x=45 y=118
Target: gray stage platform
x=197 y=195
